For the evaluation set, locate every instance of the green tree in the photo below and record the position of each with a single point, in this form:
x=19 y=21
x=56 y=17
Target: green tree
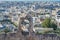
x=47 y=23
x=54 y=26
x=6 y=31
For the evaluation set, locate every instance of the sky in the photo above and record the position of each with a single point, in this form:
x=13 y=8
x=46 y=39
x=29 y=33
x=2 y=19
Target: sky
x=29 y=0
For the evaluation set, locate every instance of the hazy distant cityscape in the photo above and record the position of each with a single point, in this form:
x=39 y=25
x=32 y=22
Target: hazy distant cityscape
x=30 y=19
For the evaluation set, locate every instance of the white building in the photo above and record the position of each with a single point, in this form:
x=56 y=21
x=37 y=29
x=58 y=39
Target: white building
x=58 y=19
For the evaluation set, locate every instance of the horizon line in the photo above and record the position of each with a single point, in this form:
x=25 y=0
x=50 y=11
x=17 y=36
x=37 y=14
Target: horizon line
x=31 y=0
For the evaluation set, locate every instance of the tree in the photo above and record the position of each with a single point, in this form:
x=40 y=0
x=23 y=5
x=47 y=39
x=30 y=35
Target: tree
x=47 y=23
x=6 y=31
x=54 y=26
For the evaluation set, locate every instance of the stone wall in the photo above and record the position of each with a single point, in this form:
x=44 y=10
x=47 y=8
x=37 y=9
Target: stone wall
x=12 y=36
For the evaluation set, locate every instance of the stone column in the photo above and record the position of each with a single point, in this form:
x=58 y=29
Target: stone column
x=19 y=34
